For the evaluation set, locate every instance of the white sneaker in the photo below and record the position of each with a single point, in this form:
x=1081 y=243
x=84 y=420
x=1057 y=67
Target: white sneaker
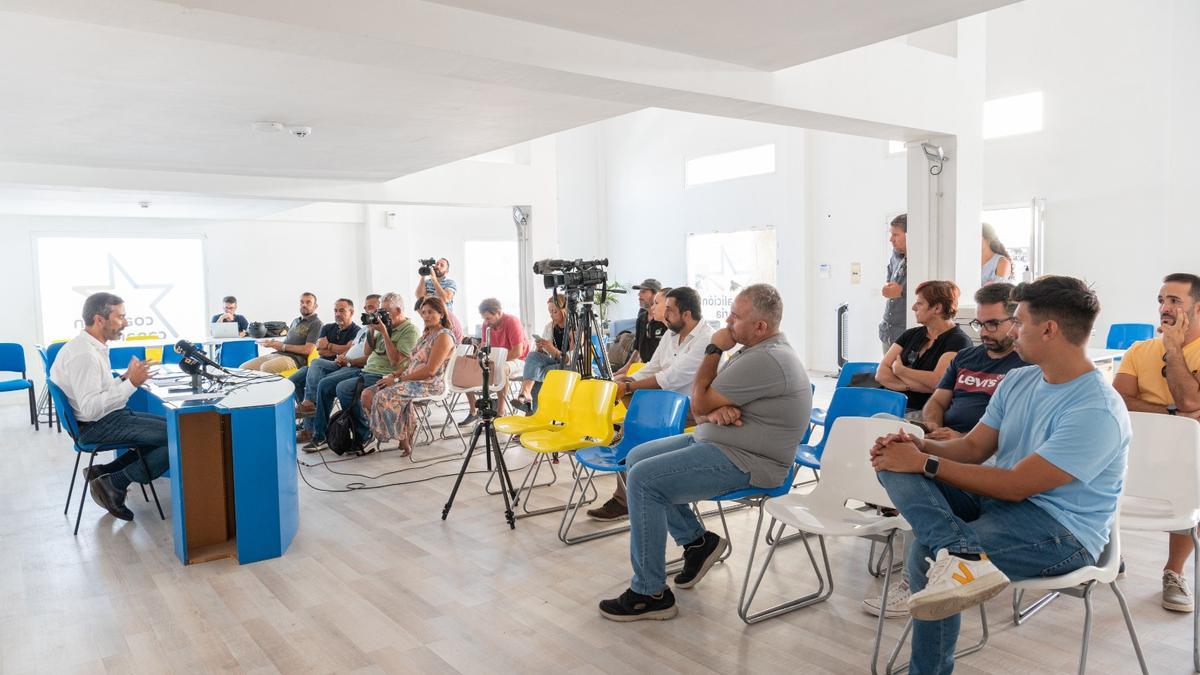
x=1176 y=596
x=897 y=604
x=955 y=584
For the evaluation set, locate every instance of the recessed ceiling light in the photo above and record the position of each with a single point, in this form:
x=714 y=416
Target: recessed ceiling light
x=144 y=205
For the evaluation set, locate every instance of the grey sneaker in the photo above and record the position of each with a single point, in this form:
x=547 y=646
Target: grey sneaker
x=314 y=446
x=1176 y=597
x=897 y=604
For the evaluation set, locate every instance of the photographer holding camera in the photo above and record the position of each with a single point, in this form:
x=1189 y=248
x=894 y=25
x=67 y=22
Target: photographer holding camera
x=390 y=340
x=433 y=283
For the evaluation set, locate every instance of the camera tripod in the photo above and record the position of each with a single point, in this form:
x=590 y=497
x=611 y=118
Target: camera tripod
x=584 y=328
x=487 y=429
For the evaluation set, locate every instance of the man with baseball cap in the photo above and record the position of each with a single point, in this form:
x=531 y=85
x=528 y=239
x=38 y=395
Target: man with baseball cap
x=648 y=332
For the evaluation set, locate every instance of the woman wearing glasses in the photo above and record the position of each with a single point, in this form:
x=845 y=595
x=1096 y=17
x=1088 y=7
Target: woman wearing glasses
x=915 y=363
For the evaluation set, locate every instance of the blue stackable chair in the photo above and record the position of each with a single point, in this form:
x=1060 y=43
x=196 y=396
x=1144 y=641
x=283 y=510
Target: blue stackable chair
x=237 y=352
x=48 y=354
x=848 y=371
x=12 y=360
x=169 y=355
x=1123 y=335
x=754 y=497
x=852 y=402
x=67 y=416
x=119 y=357
x=653 y=414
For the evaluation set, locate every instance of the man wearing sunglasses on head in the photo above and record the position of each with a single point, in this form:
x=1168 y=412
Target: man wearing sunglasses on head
x=957 y=404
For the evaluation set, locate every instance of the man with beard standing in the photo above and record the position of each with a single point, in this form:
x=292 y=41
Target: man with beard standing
x=648 y=332
x=1159 y=376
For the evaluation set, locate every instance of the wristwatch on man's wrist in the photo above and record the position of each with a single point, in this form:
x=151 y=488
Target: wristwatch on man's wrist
x=1172 y=409
x=713 y=349
x=931 y=466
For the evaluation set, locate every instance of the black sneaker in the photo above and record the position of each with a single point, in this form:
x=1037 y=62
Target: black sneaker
x=469 y=420
x=107 y=495
x=314 y=446
x=698 y=556
x=637 y=607
x=612 y=510
x=522 y=405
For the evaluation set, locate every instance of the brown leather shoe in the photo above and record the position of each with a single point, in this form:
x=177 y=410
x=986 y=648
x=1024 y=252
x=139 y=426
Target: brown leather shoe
x=612 y=510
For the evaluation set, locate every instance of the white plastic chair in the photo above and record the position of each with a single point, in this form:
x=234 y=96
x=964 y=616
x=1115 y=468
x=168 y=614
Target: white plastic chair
x=424 y=408
x=1079 y=584
x=1162 y=486
x=847 y=474
x=499 y=377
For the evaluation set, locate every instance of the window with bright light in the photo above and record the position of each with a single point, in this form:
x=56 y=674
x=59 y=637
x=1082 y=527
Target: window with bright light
x=1012 y=115
x=729 y=165
x=491 y=272
x=1015 y=227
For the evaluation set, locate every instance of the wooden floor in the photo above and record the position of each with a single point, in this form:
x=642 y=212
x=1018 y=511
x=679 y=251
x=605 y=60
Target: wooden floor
x=376 y=582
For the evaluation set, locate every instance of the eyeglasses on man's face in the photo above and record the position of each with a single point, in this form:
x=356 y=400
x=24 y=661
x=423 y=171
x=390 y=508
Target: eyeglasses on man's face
x=990 y=326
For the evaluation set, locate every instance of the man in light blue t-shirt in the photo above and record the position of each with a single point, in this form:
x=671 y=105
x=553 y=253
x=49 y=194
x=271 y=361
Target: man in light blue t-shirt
x=1060 y=437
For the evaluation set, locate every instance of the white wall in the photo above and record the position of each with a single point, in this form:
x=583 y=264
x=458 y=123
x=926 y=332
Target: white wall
x=258 y=261
x=854 y=190
x=1117 y=161
x=648 y=212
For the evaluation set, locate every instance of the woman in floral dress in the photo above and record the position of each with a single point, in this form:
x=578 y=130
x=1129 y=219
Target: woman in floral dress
x=389 y=403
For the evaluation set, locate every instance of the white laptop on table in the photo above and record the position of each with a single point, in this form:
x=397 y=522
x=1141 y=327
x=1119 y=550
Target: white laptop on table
x=223 y=329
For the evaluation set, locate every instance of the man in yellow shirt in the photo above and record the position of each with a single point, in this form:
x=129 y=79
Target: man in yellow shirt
x=1160 y=376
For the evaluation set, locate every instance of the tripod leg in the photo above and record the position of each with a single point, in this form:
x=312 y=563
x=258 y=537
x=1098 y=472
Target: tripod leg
x=462 y=472
x=493 y=446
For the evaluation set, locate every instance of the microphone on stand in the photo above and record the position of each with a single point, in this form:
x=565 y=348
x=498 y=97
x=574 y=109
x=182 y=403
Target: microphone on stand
x=189 y=350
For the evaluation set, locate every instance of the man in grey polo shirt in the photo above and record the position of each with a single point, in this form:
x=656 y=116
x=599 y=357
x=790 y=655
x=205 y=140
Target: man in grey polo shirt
x=751 y=416
x=300 y=341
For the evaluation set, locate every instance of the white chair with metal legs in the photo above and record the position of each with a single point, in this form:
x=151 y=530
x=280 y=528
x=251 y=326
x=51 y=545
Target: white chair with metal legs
x=1080 y=584
x=424 y=410
x=846 y=475
x=1162 y=486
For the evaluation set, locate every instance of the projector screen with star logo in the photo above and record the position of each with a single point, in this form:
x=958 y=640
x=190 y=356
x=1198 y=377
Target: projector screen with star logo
x=160 y=279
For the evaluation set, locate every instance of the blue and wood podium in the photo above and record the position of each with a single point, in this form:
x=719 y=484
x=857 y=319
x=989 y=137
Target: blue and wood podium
x=233 y=468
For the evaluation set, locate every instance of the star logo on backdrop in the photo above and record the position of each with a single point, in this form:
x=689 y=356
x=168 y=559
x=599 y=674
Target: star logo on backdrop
x=135 y=294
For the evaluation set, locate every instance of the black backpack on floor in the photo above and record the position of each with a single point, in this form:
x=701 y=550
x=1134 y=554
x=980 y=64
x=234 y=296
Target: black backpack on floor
x=340 y=434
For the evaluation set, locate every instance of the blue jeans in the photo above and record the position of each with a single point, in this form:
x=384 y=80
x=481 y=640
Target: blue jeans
x=345 y=395
x=140 y=430
x=538 y=364
x=308 y=377
x=326 y=390
x=665 y=477
x=1020 y=538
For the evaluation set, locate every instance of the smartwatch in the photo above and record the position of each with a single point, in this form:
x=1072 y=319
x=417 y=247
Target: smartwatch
x=713 y=349
x=931 y=467
x=1172 y=409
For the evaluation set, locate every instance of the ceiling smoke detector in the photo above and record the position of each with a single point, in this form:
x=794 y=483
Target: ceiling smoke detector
x=144 y=205
x=300 y=132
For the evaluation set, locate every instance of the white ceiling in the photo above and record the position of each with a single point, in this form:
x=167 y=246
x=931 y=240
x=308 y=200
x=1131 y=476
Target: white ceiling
x=765 y=34
x=125 y=204
x=390 y=87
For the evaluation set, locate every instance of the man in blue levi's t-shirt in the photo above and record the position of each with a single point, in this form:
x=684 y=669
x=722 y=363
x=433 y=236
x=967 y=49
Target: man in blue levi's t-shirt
x=1060 y=438
x=974 y=374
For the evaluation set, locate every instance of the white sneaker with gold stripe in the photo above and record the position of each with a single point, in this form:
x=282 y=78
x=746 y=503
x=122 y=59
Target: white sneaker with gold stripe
x=955 y=584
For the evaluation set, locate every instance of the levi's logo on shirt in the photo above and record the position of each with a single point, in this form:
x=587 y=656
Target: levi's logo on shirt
x=977 y=382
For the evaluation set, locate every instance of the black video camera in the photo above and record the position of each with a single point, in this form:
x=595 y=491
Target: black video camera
x=569 y=274
x=380 y=316
x=426 y=267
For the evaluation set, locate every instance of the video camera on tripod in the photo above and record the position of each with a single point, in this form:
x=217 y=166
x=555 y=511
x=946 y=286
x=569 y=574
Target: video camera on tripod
x=581 y=281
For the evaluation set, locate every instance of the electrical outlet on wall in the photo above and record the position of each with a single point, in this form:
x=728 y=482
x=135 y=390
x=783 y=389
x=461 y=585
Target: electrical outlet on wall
x=855 y=273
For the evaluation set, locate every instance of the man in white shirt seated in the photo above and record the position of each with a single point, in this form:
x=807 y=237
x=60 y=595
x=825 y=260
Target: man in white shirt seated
x=673 y=367
x=83 y=372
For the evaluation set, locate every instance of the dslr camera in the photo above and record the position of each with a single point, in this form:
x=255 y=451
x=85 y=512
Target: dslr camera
x=379 y=316
x=426 y=267
x=572 y=274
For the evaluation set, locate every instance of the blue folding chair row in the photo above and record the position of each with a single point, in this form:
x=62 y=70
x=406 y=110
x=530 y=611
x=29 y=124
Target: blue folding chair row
x=848 y=371
x=12 y=360
x=851 y=402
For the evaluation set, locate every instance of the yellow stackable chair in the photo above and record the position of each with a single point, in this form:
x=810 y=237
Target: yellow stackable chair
x=552 y=404
x=152 y=353
x=619 y=409
x=589 y=423
x=312 y=356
